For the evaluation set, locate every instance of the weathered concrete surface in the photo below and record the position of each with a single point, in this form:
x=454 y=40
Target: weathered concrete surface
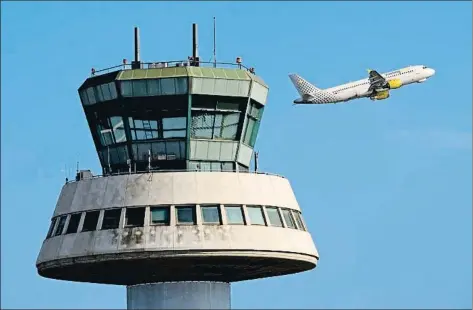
x=176 y=188
x=179 y=295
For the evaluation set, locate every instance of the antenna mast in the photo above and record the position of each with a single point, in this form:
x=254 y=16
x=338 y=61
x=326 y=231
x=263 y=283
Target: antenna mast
x=215 y=53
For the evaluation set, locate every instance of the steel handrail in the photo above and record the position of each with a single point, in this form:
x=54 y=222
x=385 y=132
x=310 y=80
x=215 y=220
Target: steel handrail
x=168 y=171
x=128 y=66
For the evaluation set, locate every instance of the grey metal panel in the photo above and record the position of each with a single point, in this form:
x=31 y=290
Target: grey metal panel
x=227 y=151
x=80 y=196
x=137 y=189
x=106 y=241
x=201 y=150
x=214 y=150
x=66 y=197
x=115 y=191
x=244 y=154
x=193 y=147
x=179 y=295
x=50 y=249
x=96 y=193
x=67 y=245
x=259 y=92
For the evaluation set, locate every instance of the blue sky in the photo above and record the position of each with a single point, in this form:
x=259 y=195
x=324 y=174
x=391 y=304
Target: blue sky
x=384 y=186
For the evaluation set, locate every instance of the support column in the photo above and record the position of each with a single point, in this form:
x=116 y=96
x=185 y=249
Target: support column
x=179 y=295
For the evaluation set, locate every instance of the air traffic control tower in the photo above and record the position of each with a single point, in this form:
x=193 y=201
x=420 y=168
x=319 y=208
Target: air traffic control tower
x=177 y=214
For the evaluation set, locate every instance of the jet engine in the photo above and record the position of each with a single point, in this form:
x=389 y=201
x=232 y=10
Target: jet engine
x=380 y=95
x=396 y=83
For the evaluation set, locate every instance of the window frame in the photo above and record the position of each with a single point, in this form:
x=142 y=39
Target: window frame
x=119 y=211
x=85 y=220
x=160 y=207
x=68 y=232
x=242 y=214
x=134 y=209
x=265 y=221
x=59 y=230
x=276 y=210
x=219 y=214
x=194 y=215
x=283 y=210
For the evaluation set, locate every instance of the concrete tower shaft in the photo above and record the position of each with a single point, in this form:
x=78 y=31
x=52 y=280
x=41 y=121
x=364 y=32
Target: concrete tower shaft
x=176 y=215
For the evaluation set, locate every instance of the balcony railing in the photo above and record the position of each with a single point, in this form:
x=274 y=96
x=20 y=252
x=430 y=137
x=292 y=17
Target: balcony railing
x=168 y=64
x=166 y=171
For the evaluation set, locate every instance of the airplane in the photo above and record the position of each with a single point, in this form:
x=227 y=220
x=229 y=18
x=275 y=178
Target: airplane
x=376 y=86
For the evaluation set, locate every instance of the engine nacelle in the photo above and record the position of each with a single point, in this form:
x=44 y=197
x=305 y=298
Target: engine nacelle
x=380 y=95
x=396 y=83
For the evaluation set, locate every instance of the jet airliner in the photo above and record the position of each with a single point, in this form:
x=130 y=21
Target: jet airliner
x=376 y=86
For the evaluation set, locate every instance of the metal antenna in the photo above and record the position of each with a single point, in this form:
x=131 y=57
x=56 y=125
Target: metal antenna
x=215 y=44
x=108 y=159
x=256 y=161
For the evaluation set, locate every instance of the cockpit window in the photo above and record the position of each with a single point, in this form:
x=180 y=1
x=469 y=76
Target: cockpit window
x=424 y=67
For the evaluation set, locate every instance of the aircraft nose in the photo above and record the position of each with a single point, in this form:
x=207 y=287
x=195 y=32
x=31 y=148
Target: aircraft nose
x=431 y=71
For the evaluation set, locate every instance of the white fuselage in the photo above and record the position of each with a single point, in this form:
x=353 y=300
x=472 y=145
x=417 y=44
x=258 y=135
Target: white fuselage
x=359 y=89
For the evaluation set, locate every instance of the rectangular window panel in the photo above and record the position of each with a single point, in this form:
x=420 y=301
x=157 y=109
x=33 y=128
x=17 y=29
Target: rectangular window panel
x=234 y=215
x=173 y=150
x=159 y=151
x=274 y=217
x=288 y=218
x=153 y=87
x=73 y=223
x=126 y=88
x=160 y=216
x=215 y=166
x=174 y=123
x=91 y=95
x=106 y=95
x=135 y=217
x=202 y=125
x=143 y=151
x=139 y=88
x=226 y=126
x=210 y=214
x=174 y=134
x=228 y=106
x=168 y=86
x=249 y=130
x=185 y=215
x=181 y=86
x=83 y=97
x=256 y=216
x=60 y=226
x=300 y=224
x=113 y=90
x=227 y=166
x=111 y=219
x=51 y=227
x=205 y=166
x=91 y=220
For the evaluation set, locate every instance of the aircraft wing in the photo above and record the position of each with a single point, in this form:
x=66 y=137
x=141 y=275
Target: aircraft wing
x=376 y=80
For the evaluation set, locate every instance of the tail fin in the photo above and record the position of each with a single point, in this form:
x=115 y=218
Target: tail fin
x=303 y=87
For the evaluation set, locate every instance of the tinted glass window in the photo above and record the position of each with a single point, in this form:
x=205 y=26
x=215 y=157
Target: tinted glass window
x=111 y=219
x=160 y=215
x=256 y=216
x=234 y=215
x=185 y=215
x=288 y=218
x=210 y=214
x=274 y=217
x=73 y=223
x=91 y=220
x=135 y=217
